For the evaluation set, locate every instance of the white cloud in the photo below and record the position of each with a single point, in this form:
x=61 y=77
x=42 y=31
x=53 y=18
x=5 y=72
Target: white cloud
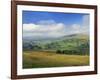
x=86 y=20
x=50 y=28
x=53 y=29
x=83 y=28
x=76 y=28
x=86 y=23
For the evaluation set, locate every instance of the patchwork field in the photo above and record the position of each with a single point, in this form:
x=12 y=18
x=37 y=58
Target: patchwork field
x=37 y=59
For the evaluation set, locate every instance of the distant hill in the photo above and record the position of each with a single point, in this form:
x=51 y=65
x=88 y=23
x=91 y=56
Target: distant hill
x=74 y=43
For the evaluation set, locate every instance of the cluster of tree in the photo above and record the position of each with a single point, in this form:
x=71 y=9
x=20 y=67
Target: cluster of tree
x=28 y=46
x=34 y=46
x=83 y=49
x=65 y=46
x=75 y=52
x=52 y=46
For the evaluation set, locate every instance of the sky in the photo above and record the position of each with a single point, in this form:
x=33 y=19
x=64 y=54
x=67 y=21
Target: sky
x=53 y=24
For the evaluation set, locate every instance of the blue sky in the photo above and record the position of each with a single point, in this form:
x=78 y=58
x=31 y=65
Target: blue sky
x=53 y=24
x=66 y=18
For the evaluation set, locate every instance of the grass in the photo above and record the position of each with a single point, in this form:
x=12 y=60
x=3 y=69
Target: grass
x=34 y=59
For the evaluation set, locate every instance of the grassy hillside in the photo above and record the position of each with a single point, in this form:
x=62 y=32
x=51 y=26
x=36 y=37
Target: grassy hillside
x=38 y=59
x=71 y=50
x=70 y=44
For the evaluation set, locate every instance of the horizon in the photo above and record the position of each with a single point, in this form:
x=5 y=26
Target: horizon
x=48 y=38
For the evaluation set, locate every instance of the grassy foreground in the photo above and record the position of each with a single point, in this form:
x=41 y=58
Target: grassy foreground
x=32 y=59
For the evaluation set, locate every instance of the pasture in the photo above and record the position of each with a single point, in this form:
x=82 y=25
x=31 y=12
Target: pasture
x=43 y=59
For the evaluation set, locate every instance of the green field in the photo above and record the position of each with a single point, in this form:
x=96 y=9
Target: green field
x=38 y=59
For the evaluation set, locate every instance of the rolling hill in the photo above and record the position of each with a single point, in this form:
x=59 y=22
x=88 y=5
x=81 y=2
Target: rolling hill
x=69 y=44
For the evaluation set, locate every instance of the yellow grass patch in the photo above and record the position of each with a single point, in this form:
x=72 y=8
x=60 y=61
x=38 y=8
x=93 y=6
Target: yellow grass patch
x=33 y=59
